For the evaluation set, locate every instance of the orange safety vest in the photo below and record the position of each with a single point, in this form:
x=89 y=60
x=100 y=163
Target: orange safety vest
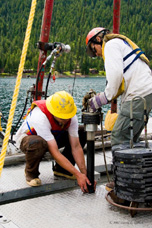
x=56 y=129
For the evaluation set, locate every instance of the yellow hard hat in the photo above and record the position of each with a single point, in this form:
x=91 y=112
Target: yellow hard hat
x=61 y=104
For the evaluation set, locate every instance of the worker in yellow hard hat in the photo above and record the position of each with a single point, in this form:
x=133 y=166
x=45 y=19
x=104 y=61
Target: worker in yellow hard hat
x=52 y=124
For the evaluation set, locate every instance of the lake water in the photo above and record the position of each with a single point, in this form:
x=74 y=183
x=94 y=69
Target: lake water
x=79 y=88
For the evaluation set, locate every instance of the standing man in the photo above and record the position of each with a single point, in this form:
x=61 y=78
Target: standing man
x=50 y=125
x=128 y=74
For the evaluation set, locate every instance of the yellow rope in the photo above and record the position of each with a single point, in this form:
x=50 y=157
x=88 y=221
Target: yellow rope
x=18 y=81
x=1 y=129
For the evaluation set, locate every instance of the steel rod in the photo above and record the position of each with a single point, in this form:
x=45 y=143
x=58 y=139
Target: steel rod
x=90 y=164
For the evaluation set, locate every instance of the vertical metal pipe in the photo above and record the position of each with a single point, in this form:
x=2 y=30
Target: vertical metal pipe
x=91 y=120
x=44 y=37
x=116 y=16
x=116 y=25
x=90 y=164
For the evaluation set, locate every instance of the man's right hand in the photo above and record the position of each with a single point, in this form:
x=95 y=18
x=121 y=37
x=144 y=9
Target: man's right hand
x=86 y=98
x=83 y=181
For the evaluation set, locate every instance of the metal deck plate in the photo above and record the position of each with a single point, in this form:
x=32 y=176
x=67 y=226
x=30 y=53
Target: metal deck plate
x=13 y=186
x=63 y=209
x=13 y=178
x=72 y=209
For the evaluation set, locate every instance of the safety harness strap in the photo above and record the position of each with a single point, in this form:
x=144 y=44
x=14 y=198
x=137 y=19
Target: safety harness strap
x=32 y=133
x=131 y=53
x=29 y=128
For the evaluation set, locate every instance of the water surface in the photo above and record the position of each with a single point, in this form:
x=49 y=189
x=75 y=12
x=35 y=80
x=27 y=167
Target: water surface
x=78 y=88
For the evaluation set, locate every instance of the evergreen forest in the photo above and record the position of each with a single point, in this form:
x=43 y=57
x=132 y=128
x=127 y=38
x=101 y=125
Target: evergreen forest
x=71 y=21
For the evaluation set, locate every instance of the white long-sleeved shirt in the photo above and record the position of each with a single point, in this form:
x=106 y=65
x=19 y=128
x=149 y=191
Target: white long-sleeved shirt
x=38 y=120
x=138 y=78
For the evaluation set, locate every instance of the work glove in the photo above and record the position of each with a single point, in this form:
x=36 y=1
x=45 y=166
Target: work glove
x=97 y=101
x=86 y=98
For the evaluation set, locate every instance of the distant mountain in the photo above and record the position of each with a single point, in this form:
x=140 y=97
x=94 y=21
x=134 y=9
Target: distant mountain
x=71 y=21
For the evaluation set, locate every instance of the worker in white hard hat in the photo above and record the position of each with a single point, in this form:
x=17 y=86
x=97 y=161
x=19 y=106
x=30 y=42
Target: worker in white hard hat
x=52 y=124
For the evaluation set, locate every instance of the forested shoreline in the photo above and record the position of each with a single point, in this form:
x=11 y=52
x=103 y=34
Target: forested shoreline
x=71 y=21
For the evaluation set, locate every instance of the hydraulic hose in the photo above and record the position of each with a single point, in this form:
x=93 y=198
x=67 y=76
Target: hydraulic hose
x=5 y=120
x=14 y=128
x=10 y=140
x=37 y=81
x=47 y=84
x=50 y=74
x=55 y=51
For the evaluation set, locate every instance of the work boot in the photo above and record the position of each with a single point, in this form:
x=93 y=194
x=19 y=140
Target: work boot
x=33 y=182
x=60 y=172
x=110 y=186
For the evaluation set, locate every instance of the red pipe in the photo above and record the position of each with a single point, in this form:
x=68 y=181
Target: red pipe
x=116 y=25
x=116 y=16
x=45 y=32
